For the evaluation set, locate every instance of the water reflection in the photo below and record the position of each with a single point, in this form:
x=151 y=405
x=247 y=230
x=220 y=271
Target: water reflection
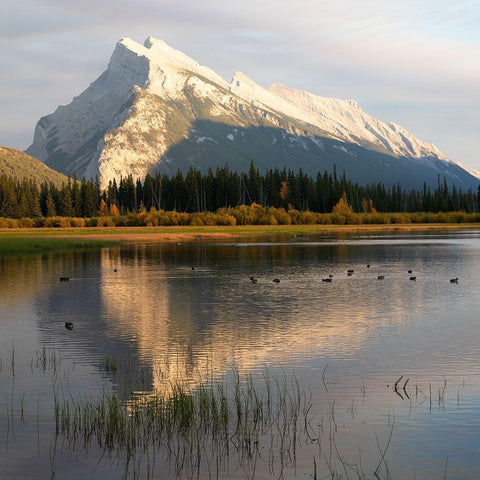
x=172 y=323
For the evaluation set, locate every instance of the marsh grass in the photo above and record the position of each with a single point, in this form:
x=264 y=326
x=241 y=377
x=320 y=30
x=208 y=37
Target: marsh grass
x=19 y=245
x=198 y=428
x=207 y=427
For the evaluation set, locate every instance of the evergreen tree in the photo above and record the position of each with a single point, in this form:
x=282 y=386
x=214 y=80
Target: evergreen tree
x=49 y=205
x=8 y=208
x=76 y=197
x=65 y=206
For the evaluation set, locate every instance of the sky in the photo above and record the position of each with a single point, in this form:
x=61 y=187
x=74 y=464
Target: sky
x=414 y=63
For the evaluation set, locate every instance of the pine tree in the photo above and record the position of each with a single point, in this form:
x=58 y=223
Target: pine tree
x=8 y=208
x=65 y=207
x=49 y=206
x=76 y=197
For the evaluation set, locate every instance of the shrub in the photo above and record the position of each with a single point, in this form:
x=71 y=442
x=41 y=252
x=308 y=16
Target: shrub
x=26 y=223
x=77 y=222
x=196 y=220
x=91 y=222
x=8 y=223
x=338 y=219
x=120 y=221
x=56 y=222
x=105 y=222
x=399 y=218
x=166 y=219
x=131 y=220
x=150 y=220
x=376 y=218
x=281 y=216
x=457 y=217
x=295 y=216
x=226 y=220
x=308 y=218
x=420 y=217
x=12 y=223
x=183 y=218
x=140 y=218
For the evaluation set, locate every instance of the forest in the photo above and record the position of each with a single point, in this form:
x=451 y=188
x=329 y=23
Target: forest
x=225 y=191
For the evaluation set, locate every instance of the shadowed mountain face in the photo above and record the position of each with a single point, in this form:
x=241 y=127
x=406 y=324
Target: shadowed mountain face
x=210 y=144
x=155 y=109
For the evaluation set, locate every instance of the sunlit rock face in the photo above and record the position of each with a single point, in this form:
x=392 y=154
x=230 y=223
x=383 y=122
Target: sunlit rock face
x=156 y=109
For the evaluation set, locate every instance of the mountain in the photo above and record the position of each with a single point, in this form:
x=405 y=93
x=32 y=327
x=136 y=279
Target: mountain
x=18 y=164
x=156 y=109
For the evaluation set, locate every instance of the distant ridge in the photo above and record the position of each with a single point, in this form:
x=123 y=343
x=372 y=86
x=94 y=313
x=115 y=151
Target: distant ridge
x=156 y=109
x=20 y=165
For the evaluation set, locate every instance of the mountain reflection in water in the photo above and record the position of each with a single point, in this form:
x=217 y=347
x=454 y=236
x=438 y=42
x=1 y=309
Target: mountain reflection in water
x=347 y=341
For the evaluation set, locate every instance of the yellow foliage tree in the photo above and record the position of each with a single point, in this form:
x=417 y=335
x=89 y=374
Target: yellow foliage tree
x=102 y=209
x=342 y=207
x=283 y=191
x=113 y=211
x=367 y=206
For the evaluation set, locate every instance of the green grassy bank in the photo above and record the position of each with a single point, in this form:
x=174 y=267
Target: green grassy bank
x=35 y=240
x=21 y=244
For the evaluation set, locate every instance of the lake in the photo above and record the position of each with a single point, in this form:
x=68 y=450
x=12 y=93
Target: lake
x=357 y=376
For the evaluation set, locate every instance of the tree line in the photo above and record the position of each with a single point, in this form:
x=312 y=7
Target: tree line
x=223 y=188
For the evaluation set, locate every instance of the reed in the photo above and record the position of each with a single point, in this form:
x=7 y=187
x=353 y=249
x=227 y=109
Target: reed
x=202 y=425
x=197 y=426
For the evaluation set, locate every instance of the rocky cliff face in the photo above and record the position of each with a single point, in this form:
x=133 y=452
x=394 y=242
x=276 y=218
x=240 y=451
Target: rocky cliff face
x=154 y=108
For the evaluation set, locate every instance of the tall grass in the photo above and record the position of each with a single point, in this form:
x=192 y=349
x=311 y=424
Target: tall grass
x=196 y=427
x=200 y=428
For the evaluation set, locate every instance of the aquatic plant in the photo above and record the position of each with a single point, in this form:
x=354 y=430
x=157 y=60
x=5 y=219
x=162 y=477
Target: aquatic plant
x=195 y=426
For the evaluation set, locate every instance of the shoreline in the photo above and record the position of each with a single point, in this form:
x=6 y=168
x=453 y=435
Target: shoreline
x=219 y=233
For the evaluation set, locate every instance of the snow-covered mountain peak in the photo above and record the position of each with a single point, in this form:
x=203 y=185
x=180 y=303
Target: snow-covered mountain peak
x=159 y=51
x=353 y=103
x=250 y=91
x=157 y=108
x=345 y=119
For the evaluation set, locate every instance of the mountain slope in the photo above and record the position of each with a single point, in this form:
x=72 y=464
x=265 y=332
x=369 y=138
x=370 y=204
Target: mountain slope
x=155 y=109
x=21 y=165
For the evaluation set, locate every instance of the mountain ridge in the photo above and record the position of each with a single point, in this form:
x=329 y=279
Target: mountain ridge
x=20 y=165
x=133 y=118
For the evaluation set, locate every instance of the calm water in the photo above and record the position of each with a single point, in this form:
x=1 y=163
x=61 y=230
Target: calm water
x=346 y=342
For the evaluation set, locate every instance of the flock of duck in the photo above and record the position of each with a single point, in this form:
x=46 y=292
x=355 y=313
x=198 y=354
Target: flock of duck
x=329 y=279
x=350 y=272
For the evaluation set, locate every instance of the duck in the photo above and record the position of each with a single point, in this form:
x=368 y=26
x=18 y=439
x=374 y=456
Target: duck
x=276 y=280
x=454 y=280
x=413 y=278
x=328 y=280
x=64 y=279
x=69 y=325
x=381 y=277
